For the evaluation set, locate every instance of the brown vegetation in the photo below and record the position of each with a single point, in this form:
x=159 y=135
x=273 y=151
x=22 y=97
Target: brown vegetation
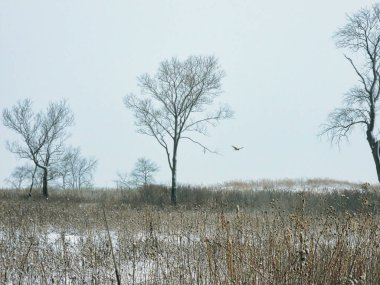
x=212 y=237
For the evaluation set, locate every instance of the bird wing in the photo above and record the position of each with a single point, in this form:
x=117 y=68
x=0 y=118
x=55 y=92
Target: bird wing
x=237 y=148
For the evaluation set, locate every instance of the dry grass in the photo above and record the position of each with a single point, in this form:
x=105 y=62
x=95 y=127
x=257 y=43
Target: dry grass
x=292 y=238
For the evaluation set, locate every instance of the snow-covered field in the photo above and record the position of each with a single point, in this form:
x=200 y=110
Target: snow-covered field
x=293 y=185
x=52 y=257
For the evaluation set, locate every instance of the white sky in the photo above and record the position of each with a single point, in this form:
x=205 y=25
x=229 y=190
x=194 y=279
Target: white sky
x=284 y=75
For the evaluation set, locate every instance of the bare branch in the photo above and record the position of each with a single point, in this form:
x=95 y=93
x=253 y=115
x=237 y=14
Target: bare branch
x=341 y=122
x=198 y=125
x=361 y=76
x=205 y=148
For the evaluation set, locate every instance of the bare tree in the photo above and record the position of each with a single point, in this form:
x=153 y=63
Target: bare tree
x=361 y=37
x=21 y=176
x=143 y=173
x=122 y=181
x=25 y=175
x=43 y=134
x=173 y=105
x=76 y=171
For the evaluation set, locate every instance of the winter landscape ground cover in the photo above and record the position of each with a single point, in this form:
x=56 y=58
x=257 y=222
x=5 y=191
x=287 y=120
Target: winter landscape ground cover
x=263 y=232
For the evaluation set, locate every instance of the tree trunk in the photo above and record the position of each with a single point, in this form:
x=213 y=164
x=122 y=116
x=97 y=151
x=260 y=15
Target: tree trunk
x=31 y=185
x=374 y=145
x=174 y=173
x=174 y=187
x=174 y=184
x=376 y=158
x=44 y=183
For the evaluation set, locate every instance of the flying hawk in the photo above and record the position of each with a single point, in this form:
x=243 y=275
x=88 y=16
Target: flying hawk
x=237 y=148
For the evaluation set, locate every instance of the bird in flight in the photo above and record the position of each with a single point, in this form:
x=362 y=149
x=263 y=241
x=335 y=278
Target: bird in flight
x=237 y=148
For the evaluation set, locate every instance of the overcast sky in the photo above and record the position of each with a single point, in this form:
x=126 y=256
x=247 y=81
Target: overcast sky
x=283 y=76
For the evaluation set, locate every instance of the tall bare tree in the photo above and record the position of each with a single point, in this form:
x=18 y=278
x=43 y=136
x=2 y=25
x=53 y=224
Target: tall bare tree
x=143 y=173
x=173 y=105
x=43 y=134
x=361 y=37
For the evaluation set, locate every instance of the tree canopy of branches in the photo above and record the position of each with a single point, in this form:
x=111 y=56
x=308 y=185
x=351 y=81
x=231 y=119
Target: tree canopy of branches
x=75 y=171
x=122 y=181
x=143 y=173
x=43 y=134
x=173 y=105
x=72 y=171
x=20 y=176
x=361 y=37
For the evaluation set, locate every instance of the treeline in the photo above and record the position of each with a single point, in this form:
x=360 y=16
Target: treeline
x=42 y=143
x=72 y=171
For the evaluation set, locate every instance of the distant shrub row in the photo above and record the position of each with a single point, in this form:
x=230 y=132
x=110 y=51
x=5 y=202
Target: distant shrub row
x=310 y=202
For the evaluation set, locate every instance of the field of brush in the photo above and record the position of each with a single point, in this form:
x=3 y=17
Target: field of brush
x=259 y=232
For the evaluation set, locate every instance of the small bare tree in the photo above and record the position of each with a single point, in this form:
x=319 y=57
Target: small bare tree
x=122 y=181
x=21 y=176
x=25 y=175
x=75 y=171
x=173 y=105
x=143 y=173
x=360 y=36
x=43 y=134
